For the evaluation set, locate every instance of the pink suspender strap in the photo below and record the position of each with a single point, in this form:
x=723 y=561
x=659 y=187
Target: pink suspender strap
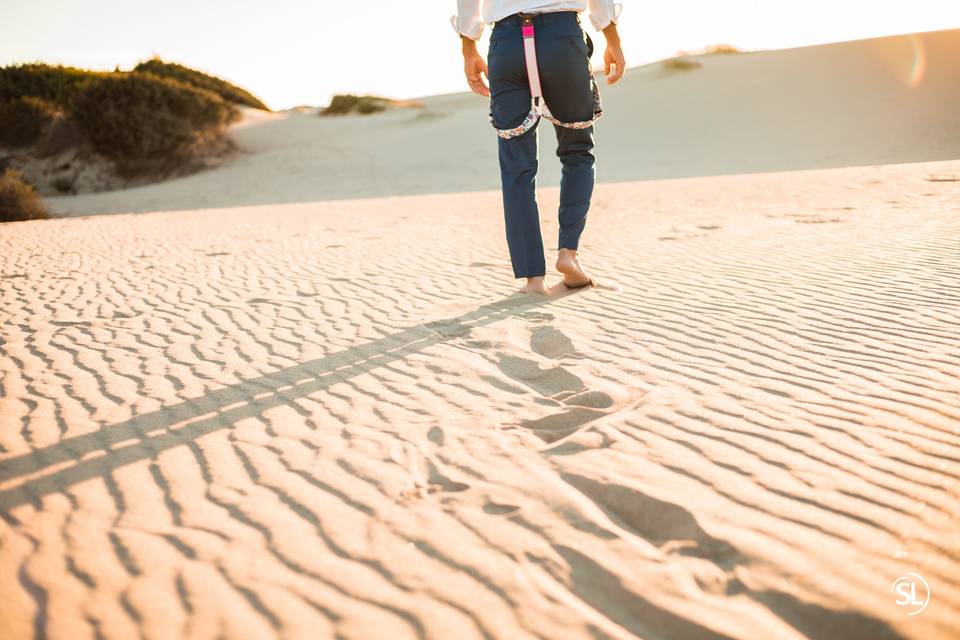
x=539 y=108
x=530 y=52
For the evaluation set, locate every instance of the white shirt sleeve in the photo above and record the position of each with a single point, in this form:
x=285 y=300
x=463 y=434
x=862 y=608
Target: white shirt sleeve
x=468 y=21
x=603 y=12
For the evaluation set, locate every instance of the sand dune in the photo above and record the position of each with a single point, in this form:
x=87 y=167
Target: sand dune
x=879 y=101
x=296 y=420
x=259 y=412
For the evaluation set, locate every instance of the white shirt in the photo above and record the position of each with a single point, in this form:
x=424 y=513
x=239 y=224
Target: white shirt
x=472 y=14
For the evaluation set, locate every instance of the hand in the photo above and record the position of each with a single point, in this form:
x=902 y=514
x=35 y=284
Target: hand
x=613 y=63
x=475 y=68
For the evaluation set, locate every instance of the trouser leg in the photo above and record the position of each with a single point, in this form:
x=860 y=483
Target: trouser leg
x=518 y=178
x=510 y=104
x=575 y=150
x=564 y=55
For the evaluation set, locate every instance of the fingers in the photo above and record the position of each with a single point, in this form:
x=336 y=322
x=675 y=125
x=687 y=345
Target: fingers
x=484 y=90
x=614 y=70
x=477 y=85
x=475 y=81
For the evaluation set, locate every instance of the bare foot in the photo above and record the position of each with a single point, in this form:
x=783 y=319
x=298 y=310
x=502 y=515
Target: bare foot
x=569 y=265
x=534 y=285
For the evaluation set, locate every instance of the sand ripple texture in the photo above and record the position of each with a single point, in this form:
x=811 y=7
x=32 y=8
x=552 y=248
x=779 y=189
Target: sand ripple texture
x=333 y=420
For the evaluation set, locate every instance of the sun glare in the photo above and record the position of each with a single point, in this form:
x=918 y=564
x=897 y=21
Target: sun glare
x=919 y=61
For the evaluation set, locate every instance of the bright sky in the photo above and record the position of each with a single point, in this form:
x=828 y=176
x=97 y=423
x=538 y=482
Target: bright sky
x=293 y=52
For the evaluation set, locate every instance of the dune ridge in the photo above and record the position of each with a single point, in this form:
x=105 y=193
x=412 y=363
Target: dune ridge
x=854 y=103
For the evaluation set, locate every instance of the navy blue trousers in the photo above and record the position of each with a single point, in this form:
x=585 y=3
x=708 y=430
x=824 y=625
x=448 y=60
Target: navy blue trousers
x=563 y=56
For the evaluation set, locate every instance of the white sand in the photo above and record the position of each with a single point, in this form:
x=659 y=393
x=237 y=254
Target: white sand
x=332 y=419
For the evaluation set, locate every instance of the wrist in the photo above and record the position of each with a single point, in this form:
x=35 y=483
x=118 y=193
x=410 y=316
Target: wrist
x=467 y=45
x=611 y=34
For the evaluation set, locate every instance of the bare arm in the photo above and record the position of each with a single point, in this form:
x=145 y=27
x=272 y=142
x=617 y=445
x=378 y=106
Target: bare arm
x=614 y=63
x=474 y=67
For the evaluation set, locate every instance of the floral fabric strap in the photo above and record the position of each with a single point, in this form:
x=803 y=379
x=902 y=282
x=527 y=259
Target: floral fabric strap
x=538 y=106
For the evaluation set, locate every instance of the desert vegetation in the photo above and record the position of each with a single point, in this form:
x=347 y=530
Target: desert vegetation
x=684 y=60
x=721 y=49
x=346 y=103
x=681 y=64
x=711 y=50
x=22 y=119
x=158 y=120
x=137 y=119
x=19 y=200
x=224 y=89
x=145 y=121
x=343 y=104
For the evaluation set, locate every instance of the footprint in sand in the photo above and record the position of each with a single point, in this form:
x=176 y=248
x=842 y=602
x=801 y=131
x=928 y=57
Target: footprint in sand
x=551 y=343
x=548 y=373
x=670 y=526
x=578 y=405
x=558 y=426
x=436 y=436
x=449 y=328
x=547 y=381
x=435 y=482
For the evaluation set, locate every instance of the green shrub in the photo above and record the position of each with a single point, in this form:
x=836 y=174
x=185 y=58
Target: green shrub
x=145 y=122
x=18 y=200
x=343 y=104
x=139 y=116
x=23 y=119
x=370 y=105
x=56 y=84
x=227 y=91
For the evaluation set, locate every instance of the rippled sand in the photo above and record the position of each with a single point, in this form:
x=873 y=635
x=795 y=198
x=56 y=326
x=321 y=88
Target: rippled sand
x=334 y=420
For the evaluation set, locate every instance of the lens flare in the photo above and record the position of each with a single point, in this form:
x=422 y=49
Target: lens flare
x=919 y=69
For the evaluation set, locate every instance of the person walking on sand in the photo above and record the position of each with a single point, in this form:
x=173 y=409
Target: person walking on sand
x=561 y=69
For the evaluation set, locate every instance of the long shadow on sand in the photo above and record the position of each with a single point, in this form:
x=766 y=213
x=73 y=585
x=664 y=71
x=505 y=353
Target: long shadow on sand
x=98 y=454
x=144 y=436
